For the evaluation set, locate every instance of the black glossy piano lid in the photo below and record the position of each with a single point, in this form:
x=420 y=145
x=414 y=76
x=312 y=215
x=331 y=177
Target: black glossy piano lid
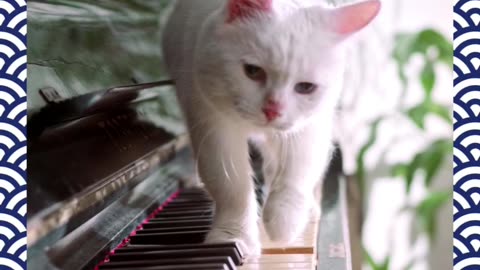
x=77 y=142
x=87 y=151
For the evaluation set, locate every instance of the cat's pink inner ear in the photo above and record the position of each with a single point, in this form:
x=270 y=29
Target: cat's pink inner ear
x=238 y=9
x=352 y=18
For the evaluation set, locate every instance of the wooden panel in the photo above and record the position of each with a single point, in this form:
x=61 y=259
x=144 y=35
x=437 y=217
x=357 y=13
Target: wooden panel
x=304 y=244
x=301 y=254
x=273 y=262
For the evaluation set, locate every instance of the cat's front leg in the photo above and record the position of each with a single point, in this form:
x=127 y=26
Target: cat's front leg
x=301 y=160
x=223 y=165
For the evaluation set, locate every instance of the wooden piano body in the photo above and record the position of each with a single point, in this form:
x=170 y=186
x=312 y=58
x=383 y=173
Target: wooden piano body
x=101 y=163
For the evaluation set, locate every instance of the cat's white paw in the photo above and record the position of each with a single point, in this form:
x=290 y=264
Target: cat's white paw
x=285 y=215
x=249 y=244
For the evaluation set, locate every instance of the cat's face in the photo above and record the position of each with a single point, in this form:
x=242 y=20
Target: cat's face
x=275 y=69
x=281 y=73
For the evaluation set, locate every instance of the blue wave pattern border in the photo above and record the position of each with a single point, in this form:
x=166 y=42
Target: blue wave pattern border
x=466 y=159
x=13 y=142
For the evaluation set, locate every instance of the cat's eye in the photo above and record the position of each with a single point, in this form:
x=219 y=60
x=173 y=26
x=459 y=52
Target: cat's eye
x=255 y=73
x=305 y=88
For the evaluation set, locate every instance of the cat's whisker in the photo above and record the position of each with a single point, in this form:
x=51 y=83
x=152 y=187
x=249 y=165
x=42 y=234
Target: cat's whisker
x=282 y=155
x=227 y=175
x=201 y=123
x=234 y=168
x=199 y=148
x=198 y=124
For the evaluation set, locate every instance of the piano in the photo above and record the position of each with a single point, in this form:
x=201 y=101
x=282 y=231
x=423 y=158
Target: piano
x=110 y=172
x=111 y=186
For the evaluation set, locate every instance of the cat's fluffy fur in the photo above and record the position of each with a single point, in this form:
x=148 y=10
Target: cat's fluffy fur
x=293 y=41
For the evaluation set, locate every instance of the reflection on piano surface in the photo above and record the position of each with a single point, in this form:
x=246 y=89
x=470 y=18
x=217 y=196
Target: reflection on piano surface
x=109 y=188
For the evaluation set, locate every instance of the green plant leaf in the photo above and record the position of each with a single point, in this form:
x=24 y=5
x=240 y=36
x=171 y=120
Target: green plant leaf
x=411 y=169
x=401 y=54
x=429 y=43
x=429 y=160
x=428 y=208
x=376 y=266
x=431 y=166
x=369 y=259
x=444 y=47
x=399 y=170
x=427 y=78
x=442 y=112
x=433 y=158
x=403 y=50
x=417 y=114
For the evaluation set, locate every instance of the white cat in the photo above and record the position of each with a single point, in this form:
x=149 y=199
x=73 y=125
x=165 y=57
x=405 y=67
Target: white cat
x=267 y=71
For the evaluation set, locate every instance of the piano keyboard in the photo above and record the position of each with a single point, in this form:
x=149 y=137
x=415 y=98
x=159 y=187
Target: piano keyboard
x=172 y=239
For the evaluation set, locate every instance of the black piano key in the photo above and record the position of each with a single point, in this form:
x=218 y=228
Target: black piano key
x=175 y=217
x=191 y=198
x=207 y=208
x=197 y=196
x=190 y=201
x=173 y=239
x=193 y=195
x=177 y=254
x=162 y=219
x=233 y=246
x=193 y=192
x=177 y=223
x=180 y=207
x=186 y=217
x=174 y=229
x=187 y=193
x=210 y=266
x=184 y=261
x=187 y=207
x=185 y=213
x=169 y=238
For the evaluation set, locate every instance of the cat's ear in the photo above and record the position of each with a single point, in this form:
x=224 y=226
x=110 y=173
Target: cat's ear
x=240 y=9
x=347 y=20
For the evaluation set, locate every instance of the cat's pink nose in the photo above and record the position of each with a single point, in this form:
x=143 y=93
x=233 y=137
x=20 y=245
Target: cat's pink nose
x=271 y=115
x=272 y=109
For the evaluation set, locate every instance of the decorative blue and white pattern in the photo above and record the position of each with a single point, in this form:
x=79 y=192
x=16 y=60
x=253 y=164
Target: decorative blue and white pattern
x=13 y=142
x=466 y=205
